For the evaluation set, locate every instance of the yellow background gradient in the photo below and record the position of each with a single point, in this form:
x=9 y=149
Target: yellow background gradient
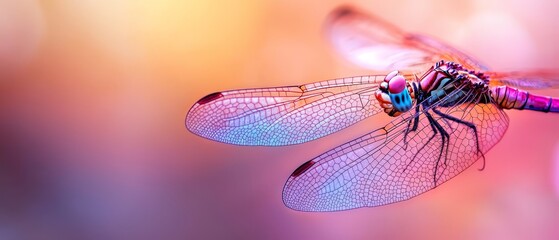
x=94 y=95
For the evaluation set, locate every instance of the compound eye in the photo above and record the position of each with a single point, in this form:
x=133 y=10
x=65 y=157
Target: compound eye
x=391 y=75
x=396 y=84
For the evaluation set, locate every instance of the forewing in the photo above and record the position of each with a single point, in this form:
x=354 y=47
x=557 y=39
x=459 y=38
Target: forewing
x=528 y=80
x=284 y=115
x=384 y=166
x=370 y=42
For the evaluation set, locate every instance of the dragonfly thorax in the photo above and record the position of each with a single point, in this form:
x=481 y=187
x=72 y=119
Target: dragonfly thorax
x=448 y=77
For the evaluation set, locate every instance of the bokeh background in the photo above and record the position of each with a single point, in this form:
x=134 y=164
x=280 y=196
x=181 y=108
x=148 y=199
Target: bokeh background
x=93 y=96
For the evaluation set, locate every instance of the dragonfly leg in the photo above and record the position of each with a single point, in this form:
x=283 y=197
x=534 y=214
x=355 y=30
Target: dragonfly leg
x=435 y=131
x=406 y=134
x=415 y=121
x=419 y=95
x=468 y=124
x=445 y=137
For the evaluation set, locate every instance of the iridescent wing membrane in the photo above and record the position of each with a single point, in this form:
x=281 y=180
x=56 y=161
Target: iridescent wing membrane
x=528 y=80
x=394 y=163
x=285 y=115
x=370 y=42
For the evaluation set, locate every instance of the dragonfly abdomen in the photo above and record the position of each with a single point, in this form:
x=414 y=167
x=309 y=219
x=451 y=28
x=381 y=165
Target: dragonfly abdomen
x=509 y=98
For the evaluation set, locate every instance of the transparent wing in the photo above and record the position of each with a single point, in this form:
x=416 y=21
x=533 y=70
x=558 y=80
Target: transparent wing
x=387 y=166
x=370 y=42
x=285 y=115
x=528 y=80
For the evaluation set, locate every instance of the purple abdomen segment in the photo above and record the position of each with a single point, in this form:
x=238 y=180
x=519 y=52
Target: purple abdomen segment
x=508 y=97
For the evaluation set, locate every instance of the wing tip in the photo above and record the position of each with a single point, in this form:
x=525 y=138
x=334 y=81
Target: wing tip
x=190 y=124
x=292 y=199
x=190 y=120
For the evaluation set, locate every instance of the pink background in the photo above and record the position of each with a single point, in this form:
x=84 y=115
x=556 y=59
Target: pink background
x=94 y=95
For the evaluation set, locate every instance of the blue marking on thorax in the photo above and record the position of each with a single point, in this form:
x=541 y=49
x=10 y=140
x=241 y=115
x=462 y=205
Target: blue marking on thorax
x=440 y=92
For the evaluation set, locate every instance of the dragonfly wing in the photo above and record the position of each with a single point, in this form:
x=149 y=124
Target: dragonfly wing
x=528 y=80
x=284 y=115
x=386 y=166
x=443 y=51
x=370 y=42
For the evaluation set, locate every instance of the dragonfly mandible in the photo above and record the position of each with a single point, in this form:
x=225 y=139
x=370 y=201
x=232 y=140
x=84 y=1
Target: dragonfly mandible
x=448 y=112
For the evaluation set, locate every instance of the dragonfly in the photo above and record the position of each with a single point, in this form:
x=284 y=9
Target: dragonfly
x=448 y=111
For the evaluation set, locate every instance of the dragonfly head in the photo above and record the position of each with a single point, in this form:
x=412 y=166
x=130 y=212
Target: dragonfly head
x=398 y=93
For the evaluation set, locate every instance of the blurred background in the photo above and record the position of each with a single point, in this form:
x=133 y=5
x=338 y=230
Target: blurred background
x=94 y=96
